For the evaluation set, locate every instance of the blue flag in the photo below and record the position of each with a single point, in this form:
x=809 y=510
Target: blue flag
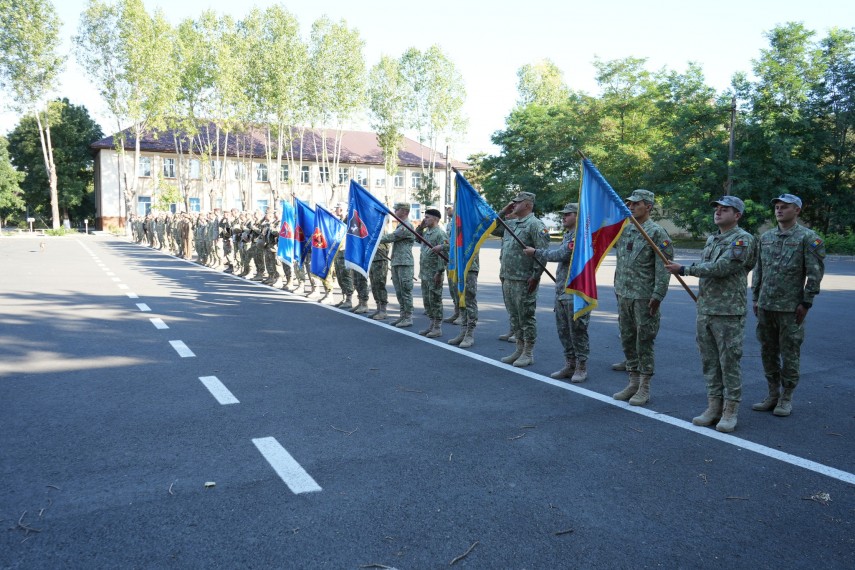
x=285 y=249
x=365 y=218
x=474 y=220
x=304 y=226
x=326 y=239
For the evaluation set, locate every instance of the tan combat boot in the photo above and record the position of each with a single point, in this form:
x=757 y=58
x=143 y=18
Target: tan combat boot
x=453 y=317
x=712 y=414
x=459 y=338
x=581 y=372
x=405 y=321
x=361 y=308
x=469 y=337
x=527 y=358
x=346 y=304
x=630 y=389
x=728 y=418
x=506 y=336
x=424 y=332
x=567 y=371
x=768 y=404
x=380 y=313
x=642 y=396
x=619 y=366
x=785 y=404
x=509 y=359
x=436 y=331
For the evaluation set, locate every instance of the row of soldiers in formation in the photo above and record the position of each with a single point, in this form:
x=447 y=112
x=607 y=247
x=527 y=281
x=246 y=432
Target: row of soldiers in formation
x=788 y=264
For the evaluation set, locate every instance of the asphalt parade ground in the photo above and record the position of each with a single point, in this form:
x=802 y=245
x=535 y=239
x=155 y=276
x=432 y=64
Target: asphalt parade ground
x=158 y=414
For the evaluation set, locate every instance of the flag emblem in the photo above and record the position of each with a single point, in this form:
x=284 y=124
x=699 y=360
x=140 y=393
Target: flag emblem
x=355 y=227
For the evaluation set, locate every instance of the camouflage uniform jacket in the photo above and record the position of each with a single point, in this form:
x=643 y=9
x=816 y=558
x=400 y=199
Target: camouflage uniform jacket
x=402 y=244
x=562 y=254
x=476 y=265
x=213 y=229
x=516 y=265
x=382 y=254
x=792 y=264
x=727 y=259
x=640 y=273
x=430 y=263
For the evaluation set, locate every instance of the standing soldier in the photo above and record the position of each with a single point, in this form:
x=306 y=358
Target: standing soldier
x=454 y=319
x=784 y=284
x=728 y=256
x=185 y=230
x=344 y=276
x=225 y=228
x=573 y=334
x=271 y=244
x=377 y=275
x=160 y=229
x=641 y=282
x=432 y=270
x=213 y=241
x=520 y=275
x=402 y=265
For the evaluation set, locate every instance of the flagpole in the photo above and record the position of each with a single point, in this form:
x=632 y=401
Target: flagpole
x=415 y=233
x=655 y=247
x=522 y=245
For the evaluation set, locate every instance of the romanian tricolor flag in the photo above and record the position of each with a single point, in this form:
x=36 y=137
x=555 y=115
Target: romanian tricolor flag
x=474 y=220
x=602 y=217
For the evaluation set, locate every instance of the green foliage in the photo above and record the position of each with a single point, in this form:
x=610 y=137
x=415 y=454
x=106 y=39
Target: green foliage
x=841 y=244
x=11 y=202
x=60 y=231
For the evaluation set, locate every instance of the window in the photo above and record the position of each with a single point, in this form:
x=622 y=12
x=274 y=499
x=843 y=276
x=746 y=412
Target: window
x=169 y=168
x=323 y=174
x=361 y=176
x=261 y=172
x=261 y=205
x=304 y=175
x=380 y=182
x=343 y=175
x=194 y=169
x=145 y=166
x=416 y=180
x=143 y=205
x=399 y=180
x=173 y=208
x=216 y=169
x=240 y=171
x=415 y=211
x=218 y=204
x=195 y=205
x=238 y=205
x=284 y=173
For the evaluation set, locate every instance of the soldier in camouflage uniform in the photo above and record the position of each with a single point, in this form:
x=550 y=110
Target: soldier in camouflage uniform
x=377 y=275
x=573 y=334
x=271 y=244
x=344 y=276
x=160 y=230
x=454 y=318
x=520 y=275
x=641 y=282
x=784 y=284
x=432 y=270
x=467 y=315
x=728 y=256
x=225 y=229
x=402 y=265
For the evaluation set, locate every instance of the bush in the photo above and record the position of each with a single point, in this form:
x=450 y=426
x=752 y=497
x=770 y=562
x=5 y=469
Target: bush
x=60 y=231
x=842 y=244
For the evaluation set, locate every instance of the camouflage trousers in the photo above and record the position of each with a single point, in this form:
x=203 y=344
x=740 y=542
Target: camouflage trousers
x=360 y=283
x=286 y=272
x=780 y=346
x=201 y=251
x=638 y=332
x=720 y=339
x=470 y=298
x=521 y=307
x=343 y=274
x=227 y=253
x=572 y=334
x=216 y=252
x=271 y=263
x=402 y=280
x=432 y=297
x=377 y=276
x=258 y=258
x=161 y=239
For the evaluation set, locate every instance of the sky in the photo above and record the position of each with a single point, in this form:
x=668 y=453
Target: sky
x=488 y=41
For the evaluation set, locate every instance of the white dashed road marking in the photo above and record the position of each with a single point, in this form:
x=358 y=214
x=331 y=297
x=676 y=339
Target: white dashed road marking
x=143 y=307
x=218 y=390
x=122 y=286
x=286 y=466
x=181 y=349
x=159 y=324
x=133 y=296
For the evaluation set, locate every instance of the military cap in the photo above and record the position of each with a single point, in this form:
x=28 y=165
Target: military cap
x=341 y=205
x=788 y=199
x=433 y=212
x=570 y=208
x=402 y=206
x=641 y=195
x=523 y=196
x=731 y=201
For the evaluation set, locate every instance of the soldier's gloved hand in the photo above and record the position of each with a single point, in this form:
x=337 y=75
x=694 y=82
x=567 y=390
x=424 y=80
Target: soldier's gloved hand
x=654 y=306
x=533 y=282
x=801 y=313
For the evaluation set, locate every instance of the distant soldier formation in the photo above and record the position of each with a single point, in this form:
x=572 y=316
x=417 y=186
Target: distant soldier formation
x=787 y=263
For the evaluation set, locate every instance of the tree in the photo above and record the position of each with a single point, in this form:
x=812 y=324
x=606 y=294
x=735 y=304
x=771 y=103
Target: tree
x=72 y=133
x=29 y=66
x=11 y=201
x=542 y=83
x=387 y=112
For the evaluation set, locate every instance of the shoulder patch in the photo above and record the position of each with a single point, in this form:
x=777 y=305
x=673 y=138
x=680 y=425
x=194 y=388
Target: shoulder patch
x=737 y=249
x=665 y=244
x=544 y=232
x=817 y=247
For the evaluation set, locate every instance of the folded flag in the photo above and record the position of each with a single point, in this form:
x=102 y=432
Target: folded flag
x=327 y=237
x=602 y=218
x=285 y=249
x=365 y=218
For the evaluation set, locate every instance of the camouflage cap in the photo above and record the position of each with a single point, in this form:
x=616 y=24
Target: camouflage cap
x=641 y=195
x=401 y=206
x=730 y=201
x=571 y=208
x=523 y=196
x=788 y=199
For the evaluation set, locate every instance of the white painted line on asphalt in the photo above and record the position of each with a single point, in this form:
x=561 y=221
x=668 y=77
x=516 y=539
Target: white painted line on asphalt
x=133 y=296
x=738 y=442
x=116 y=279
x=181 y=349
x=143 y=307
x=218 y=390
x=108 y=272
x=122 y=286
x=159 y=324
x=286 y=466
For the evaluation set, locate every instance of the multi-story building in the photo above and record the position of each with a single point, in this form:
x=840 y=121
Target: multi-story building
x=237 y=171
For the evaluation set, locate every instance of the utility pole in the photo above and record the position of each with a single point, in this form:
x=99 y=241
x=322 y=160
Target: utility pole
x=729 y=184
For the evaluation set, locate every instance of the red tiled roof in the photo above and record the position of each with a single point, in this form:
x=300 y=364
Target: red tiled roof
x=357 y=147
